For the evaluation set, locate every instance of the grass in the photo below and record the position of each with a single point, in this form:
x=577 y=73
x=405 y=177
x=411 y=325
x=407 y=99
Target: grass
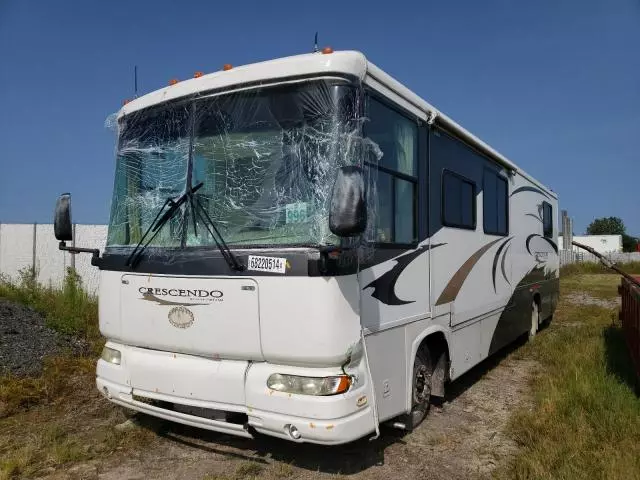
x=586 y=418
x=251 y=471
x=58 y=380
x=596 y=285
x=597 y=268
x=57 y=443
x=58 y=418
x=69 y=309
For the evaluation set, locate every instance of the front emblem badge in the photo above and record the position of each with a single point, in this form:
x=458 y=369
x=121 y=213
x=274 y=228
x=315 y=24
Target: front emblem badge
x=180 y=317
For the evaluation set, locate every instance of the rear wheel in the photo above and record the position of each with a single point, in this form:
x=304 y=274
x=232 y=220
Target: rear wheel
x=420 y=390
x=535 y=319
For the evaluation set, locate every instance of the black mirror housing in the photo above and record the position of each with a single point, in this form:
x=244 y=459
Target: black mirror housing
x=348 y=210
x=63 y=229
x=62 y=226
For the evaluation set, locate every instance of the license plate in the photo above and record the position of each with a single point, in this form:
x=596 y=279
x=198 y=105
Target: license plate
x=267 y=264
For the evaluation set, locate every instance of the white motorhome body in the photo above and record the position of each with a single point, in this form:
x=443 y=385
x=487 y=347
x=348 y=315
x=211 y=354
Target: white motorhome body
x=293 y=331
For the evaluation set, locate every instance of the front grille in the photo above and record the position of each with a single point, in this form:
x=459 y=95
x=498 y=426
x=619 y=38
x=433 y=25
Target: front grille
x=208 y=413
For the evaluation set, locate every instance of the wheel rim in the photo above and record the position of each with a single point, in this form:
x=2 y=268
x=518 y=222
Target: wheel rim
x=421 y=385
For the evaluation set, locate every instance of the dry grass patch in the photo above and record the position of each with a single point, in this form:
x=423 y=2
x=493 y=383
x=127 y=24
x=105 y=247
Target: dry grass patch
x=586 y=419
x=58 y=419
x=59 y=380
x=598 y=285
x=596 y=268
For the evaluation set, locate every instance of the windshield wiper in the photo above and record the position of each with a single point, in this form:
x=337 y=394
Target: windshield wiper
x=228 y=255
x=196 y=208
x=159 y=222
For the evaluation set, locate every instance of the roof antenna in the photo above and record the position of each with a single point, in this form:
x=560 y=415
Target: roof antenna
x=315 y=44
x=135 y=81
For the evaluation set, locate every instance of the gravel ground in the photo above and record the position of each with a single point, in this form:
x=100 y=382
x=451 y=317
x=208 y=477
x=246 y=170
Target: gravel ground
x=25 y=340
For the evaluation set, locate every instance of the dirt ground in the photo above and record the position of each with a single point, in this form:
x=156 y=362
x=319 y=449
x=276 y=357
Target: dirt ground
x=460 y=439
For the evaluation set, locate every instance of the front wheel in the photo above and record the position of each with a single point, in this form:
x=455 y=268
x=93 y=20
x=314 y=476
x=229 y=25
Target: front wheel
x=420 y=390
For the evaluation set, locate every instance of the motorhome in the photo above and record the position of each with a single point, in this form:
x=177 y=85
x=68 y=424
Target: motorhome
x=306 y=249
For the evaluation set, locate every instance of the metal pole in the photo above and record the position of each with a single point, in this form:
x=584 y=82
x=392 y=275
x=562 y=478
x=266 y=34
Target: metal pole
x=73 y=243
x=33 y=251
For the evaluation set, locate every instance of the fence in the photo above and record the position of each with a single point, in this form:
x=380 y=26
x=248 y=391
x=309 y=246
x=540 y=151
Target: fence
x=574 y=256
x=630 y=317
x=25 y=246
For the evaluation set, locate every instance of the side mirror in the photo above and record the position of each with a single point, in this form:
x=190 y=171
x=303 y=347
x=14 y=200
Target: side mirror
x=348 y=211
x=62 y=218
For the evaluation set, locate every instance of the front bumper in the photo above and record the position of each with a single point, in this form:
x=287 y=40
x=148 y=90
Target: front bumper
x=177 y=385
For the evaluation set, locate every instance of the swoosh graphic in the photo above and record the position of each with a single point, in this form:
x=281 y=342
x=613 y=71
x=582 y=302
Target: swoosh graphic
x=495 y=262
x=504 y=273
x=152 y=298
x=528 y=189
x=533 y=215
x=452 y=289
x=549 y=241
x=384 y=286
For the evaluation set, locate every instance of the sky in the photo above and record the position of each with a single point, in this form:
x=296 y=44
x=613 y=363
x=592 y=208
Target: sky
x=554 y=85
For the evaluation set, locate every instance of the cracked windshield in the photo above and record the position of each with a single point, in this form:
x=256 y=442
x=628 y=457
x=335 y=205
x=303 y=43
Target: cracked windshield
x=266 y=160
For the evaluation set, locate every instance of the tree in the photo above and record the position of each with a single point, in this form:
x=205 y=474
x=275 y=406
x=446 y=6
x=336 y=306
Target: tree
x=629 y=243
x=613 y=226
x=606 y=226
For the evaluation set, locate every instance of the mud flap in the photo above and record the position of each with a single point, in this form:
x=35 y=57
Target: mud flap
x=439 y=376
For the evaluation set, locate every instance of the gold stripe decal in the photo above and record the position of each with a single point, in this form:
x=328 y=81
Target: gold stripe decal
x=452 y=289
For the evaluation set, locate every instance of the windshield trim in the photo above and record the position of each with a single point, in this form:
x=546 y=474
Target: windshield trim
x=247 y=87
x=213 y=248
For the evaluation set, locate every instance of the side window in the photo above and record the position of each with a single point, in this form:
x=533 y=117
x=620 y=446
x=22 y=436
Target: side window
x=458 y=201
x=495 y=210
x=397 y=172
x=547 y=219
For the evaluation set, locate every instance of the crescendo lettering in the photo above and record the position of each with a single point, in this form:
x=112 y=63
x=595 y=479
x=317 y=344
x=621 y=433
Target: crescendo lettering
x=173 y=292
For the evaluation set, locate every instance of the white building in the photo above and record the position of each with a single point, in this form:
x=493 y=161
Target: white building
x=601 y=243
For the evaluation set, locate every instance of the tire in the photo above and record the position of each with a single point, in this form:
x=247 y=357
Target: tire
x=420 y=390
x=535 y=319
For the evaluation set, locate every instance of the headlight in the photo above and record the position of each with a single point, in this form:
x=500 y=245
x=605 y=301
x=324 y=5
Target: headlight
x=309 y=385
x=111 y=355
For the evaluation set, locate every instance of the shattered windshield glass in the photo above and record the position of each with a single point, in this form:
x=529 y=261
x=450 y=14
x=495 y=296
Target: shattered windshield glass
x=267 y=159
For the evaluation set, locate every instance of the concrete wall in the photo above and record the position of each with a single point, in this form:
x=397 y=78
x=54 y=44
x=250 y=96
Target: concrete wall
x=31 y=245
x=600 y=243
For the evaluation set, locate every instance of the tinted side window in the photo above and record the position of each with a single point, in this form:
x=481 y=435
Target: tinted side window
x=547 y=219
x=397 y=170
x=397 y=137
x=495 y=211
x=458 y=201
